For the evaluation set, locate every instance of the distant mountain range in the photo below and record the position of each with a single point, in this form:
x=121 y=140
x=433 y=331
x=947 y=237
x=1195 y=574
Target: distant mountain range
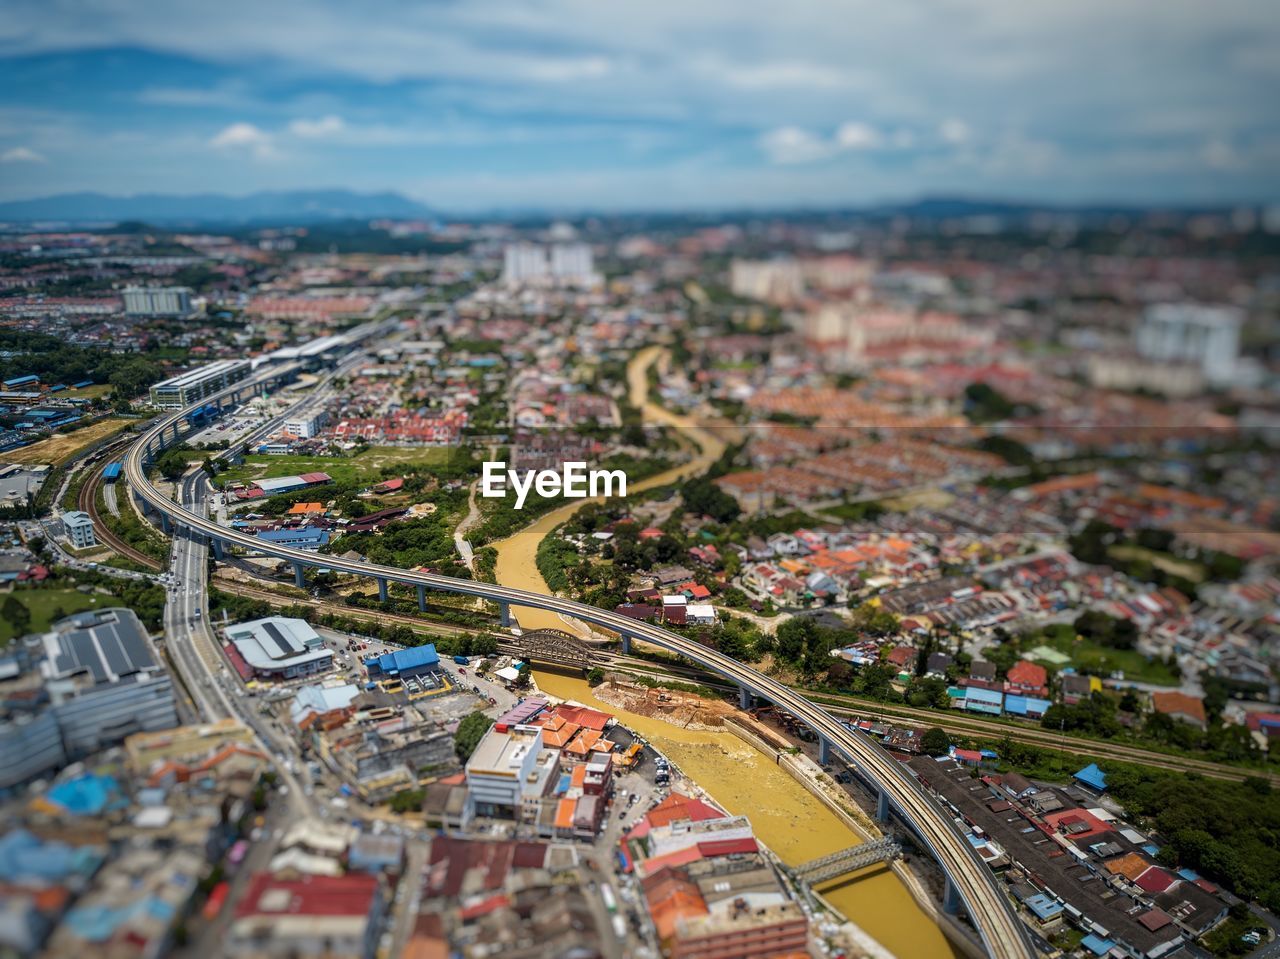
x=316 y=206
x=284 y=206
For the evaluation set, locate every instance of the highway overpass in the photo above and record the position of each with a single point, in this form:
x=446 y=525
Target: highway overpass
x=969 y=882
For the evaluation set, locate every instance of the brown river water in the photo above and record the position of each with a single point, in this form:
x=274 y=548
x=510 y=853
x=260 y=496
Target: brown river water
x=789 y=820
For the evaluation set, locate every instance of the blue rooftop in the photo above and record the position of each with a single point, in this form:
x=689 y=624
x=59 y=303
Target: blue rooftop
x=1092 y=777
x=88 y=795
x=1096 y=944
x=402 y=659
x=25 y=858
x=1044 y=907
x=1022 y=705
x=992 y=696
x=21 y=381
x=306 y=534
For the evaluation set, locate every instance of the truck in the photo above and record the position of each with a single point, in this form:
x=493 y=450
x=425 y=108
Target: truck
x=462 y=660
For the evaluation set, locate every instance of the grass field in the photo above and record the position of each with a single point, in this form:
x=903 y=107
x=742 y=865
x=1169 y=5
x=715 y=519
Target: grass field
x=1102 y=660
x=89 y=392
x=364 y=466
x=43 y=603
x=56 y=450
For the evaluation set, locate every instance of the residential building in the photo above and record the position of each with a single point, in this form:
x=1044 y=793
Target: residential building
x=79 y=527
x=1180 y=706
x=1206 y=336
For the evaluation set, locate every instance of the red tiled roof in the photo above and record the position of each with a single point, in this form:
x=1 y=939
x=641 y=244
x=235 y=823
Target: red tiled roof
x=350 y=895
x=1155 y=880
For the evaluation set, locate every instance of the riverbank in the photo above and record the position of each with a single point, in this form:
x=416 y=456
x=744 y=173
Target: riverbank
x=517 y=555
x=786 y=817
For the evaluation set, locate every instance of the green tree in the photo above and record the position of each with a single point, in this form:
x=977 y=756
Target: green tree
x=935 y=741
x=470 y=731
x=595 y=676
x=16 y=613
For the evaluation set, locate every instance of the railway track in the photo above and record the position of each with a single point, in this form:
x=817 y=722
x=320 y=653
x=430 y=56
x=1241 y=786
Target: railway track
x=840 y=705
x=87 y=502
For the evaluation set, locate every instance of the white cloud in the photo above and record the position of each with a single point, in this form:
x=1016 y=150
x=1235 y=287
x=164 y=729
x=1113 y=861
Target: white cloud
x=244 y=136
x=955 y=132
x=21 y=155
x=326 y=126
x=787 y=145
x=858 y=136
x=793 y=144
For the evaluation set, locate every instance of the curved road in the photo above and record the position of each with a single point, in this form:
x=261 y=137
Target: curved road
x=1002 y=932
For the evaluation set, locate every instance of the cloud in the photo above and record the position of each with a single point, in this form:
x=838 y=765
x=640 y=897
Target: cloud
x=858 y=136
x=792 y=144
x=954 y=132
x=246 y=137
x=21 y=155
x=787 y=145
x=326 y=126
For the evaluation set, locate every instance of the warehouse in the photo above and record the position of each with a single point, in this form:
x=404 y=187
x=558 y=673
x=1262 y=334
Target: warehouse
x=280 y=648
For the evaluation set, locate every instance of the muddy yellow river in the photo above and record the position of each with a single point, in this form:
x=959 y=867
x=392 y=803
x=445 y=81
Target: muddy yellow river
x=741 y=779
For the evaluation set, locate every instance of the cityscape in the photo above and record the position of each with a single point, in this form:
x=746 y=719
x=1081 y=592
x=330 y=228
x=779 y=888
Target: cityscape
x=856 y=543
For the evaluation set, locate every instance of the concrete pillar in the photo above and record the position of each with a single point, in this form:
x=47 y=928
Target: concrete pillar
x=382 y=589
x=882 y=806
x=217 y=549
x=299 y=576
x=951 y=898
x=745 y=699
x=626 y=644
x=824 y=750
x=165 y=524
x=504 y=615
x=422 y=598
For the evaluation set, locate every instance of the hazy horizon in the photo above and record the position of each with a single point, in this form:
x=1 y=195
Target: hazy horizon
x=568 y=105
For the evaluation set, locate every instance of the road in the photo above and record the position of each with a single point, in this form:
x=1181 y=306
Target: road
x=990 y=909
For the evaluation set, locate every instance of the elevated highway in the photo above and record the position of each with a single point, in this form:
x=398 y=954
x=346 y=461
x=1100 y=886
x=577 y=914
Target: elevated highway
x=970 y=884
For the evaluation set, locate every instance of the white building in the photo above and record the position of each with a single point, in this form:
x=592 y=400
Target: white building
x=278 y=647
x=305 y=427
x=508 y=766
x=522 y=262
x=564 y=264
x=157 y=301
x=572 y=262
x=79 y=529
x=1205 y=336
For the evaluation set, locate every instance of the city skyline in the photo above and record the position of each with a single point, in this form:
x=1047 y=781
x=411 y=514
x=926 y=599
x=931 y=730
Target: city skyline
x=566 y=106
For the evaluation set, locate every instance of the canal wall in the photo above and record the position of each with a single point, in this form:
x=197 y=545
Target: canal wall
x=812 y=777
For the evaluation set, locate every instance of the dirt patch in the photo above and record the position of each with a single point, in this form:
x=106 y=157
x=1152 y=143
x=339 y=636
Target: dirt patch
x=56 y=450
x=686 y=710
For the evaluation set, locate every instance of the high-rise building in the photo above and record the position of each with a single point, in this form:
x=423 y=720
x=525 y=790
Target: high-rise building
x=157 y=301
x=566 y=264
x=1203 y=336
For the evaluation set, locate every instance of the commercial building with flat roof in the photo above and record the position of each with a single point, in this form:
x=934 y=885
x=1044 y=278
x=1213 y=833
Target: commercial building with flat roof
x=507 y=765
x=280 y=648
x=194 y=385
x=157 y=301
x=88 y=683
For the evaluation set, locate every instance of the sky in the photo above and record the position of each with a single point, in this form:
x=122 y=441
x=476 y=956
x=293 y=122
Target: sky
x=472 y=105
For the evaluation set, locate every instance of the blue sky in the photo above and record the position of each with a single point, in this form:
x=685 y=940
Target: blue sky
x=568 y=104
